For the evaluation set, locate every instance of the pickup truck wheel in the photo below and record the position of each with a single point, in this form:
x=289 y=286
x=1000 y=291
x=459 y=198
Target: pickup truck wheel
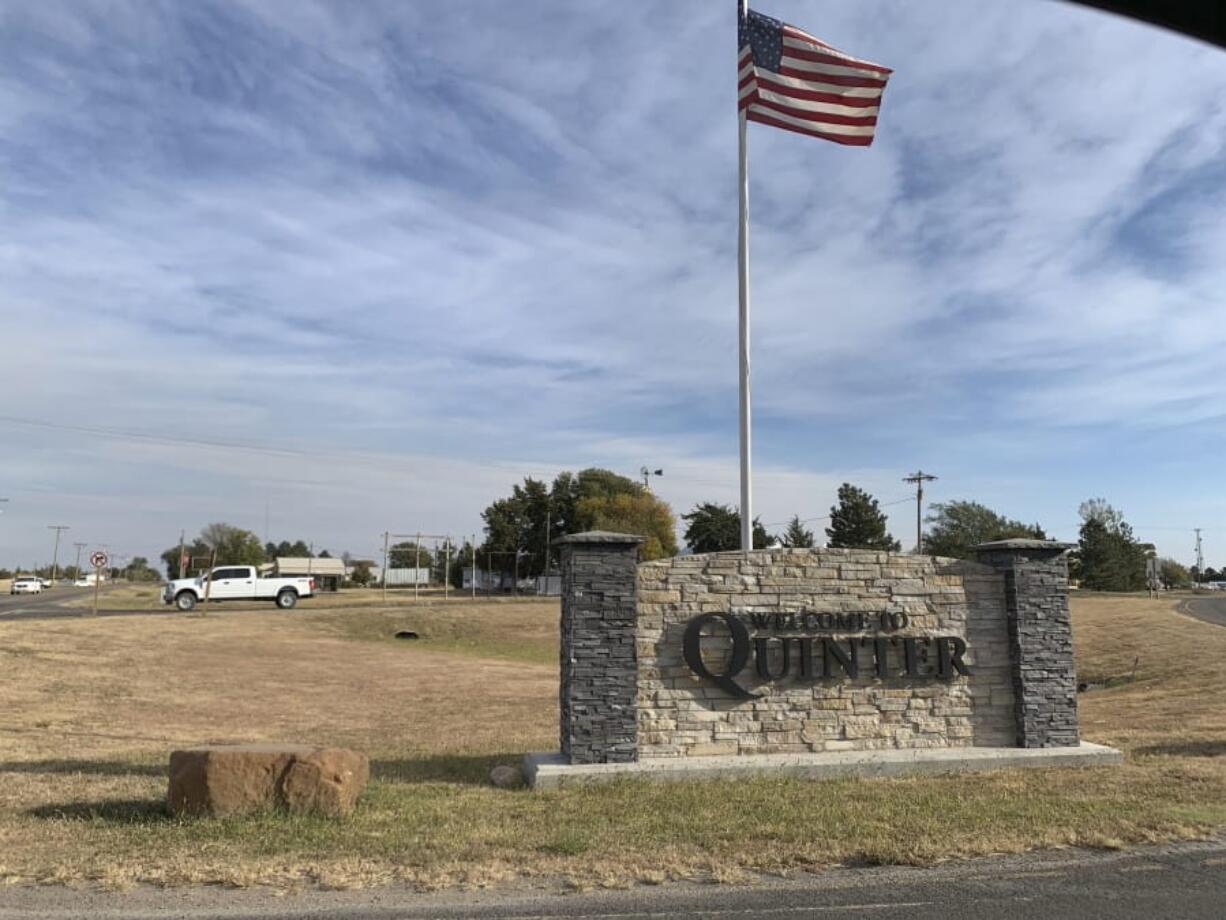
x=185 y=600
x=287 y=599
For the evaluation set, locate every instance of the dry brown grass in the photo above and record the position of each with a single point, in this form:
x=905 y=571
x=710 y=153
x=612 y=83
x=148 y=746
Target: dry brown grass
x=1163 y=673
x=123 y=596
x=90 y=708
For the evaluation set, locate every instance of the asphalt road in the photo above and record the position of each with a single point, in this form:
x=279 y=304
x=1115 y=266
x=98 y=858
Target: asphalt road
x=1210 y=608
x=50 y=605
x=1177 y=881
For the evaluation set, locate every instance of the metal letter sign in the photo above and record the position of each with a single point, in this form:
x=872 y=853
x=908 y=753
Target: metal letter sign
x=820 y=657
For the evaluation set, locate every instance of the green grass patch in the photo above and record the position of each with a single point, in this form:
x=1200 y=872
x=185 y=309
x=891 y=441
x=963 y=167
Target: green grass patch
x=414 y=826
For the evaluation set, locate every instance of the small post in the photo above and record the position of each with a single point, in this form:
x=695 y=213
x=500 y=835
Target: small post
x=386 y=539
x=446 y=568
x=97 y=581
x=208 y=585
x=474 y=568
x=416 y=565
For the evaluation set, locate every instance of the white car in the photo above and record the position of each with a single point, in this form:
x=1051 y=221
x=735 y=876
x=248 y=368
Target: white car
x=26 y=584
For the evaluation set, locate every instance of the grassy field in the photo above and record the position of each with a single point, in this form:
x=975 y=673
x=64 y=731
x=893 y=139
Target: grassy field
x=90 y=708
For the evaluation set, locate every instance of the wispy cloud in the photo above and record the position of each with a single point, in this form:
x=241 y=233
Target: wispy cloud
x=475 y=240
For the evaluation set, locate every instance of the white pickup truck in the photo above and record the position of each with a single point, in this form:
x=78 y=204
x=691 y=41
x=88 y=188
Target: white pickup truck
x=236 y=583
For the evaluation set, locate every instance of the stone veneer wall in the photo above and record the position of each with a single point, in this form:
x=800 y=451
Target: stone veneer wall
x=1040 y=638
x=597 y=690
x=681 y=715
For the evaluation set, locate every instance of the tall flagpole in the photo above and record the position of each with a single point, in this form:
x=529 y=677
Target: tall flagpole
x=743 y=277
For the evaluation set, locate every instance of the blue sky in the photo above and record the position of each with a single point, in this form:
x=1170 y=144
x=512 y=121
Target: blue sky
x=387 y=258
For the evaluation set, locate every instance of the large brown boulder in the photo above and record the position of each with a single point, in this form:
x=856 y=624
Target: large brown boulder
x=238 y=779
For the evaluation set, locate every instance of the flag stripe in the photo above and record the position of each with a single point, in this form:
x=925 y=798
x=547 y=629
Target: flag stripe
x=851 y=140
x=804 y=71
x=786 y=103
x=793 y=32
x=803 y=114
x=797 y=89
x=818 y=124
x=793 y=83
x=828 y=55
x=802 y=62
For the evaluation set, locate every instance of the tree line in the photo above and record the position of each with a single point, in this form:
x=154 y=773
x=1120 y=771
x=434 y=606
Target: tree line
x=522 y=530
x=233 y=546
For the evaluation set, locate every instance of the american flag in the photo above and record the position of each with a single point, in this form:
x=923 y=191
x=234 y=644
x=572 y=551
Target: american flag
x=791 y=80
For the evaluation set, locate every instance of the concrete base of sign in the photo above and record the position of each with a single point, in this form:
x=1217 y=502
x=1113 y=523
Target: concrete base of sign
x=551 y=771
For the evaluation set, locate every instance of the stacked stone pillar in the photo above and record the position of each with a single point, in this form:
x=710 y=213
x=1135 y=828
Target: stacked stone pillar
x=1040 y=639
x=599 y=661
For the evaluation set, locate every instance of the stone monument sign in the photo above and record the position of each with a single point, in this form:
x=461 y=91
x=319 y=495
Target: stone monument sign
x=815 y=661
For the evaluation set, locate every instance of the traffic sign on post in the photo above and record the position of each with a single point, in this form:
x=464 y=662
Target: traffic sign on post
x=99 y=560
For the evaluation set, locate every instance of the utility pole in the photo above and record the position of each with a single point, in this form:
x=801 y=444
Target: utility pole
x=1200 y=559
x=182 y=558
x=55 y=559
x=387 y=535
x=918 y=478
x=81 y=546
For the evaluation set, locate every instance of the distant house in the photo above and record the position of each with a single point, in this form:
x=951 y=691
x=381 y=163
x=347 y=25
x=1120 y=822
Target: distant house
x=328 y=573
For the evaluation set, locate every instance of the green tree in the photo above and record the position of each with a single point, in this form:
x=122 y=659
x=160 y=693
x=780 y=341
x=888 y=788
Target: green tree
x=955 y=528
x=642 y=514
x=1108 y=556
x=713 y=528
x=362 y=575
x=797 y=536
x=857 y=522
x=534 y=516
x=233 y=545
x=299 y=549
x=197 y=549
x=138 y=570
x=408 y=555
x=1172 y=574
